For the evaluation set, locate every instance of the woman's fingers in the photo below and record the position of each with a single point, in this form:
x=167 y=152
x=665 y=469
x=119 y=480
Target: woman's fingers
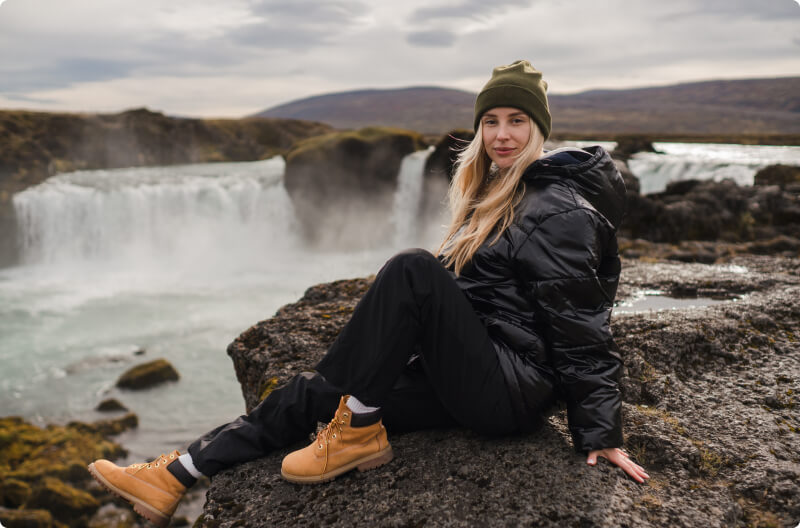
x=619 y=458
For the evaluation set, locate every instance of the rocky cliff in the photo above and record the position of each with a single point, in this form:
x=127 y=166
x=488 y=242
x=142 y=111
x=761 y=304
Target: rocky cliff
x=342 y=184
x=710 y=409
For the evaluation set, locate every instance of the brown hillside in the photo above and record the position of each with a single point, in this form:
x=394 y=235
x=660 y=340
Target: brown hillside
x=755 y=107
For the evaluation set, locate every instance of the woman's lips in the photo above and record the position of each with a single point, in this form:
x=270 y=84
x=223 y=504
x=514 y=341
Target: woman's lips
x=504 y=151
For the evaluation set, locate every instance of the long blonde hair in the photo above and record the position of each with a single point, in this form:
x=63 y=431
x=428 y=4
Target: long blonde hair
x=482 y=197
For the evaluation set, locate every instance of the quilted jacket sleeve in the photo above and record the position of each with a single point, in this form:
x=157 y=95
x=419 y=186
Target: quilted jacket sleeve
x=570 y=267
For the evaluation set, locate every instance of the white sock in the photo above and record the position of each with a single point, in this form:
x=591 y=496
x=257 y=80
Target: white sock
x=359 y=408
x=186 y=461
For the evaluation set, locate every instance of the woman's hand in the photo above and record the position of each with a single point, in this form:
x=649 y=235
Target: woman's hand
x=619 y=458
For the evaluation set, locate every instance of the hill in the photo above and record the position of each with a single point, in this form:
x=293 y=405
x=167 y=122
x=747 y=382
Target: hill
x=754 y=107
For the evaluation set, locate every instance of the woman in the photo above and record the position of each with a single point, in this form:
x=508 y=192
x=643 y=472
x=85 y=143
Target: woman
x=513 y=313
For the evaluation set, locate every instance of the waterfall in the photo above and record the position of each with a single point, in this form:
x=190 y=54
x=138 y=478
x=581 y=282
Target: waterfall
x=706 y=161
x=408 y=198
x=188 y=215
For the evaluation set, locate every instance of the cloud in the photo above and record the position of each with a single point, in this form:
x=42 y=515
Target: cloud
x=466 y=9
x=432 y=38
x=769 y=10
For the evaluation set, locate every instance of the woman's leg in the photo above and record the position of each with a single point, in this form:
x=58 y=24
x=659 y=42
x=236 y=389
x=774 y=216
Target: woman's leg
x=414 y=305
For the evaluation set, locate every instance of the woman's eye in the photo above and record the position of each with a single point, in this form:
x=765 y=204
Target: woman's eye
x=489 y=122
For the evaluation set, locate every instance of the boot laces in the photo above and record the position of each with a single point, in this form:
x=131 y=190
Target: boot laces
x=160 y=460
x=330 y=431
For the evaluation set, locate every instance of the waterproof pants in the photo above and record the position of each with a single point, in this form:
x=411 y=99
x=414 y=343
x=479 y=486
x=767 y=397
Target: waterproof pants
x=413 y=346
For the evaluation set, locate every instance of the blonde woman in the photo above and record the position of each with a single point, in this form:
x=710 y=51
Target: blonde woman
x=511 y=314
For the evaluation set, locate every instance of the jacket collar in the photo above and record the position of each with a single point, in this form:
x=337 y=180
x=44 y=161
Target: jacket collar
x=591 y=171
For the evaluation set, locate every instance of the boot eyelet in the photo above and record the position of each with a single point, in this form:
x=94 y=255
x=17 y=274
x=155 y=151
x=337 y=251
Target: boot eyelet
x=334 y=436
x=148 y=466
x=172 y=456
x=345 y=415
x=319 y=446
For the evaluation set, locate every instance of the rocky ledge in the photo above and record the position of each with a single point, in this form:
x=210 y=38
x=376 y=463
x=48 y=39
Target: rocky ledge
x=710 y=410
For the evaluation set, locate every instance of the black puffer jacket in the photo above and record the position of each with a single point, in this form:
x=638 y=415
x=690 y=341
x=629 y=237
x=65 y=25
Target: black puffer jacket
x=545 y=292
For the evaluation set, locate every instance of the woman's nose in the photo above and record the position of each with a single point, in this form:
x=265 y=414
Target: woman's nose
x=502 y=132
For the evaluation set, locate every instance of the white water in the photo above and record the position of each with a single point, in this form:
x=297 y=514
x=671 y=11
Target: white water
x=175 y=260
x=706 y=161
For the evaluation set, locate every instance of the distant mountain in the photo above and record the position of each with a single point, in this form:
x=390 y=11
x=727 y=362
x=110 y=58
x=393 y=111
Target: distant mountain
x=739 y=107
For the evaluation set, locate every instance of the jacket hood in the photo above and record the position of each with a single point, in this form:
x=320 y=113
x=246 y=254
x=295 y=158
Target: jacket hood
x=592 y=173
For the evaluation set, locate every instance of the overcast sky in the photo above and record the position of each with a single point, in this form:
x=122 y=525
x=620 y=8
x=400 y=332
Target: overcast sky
x=237 y=57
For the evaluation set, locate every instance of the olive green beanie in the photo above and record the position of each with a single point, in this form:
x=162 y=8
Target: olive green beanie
x=518 y=85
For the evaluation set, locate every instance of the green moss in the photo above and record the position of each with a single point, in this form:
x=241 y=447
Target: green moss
x=318 y=148
x=148 y=374
x=270 y=385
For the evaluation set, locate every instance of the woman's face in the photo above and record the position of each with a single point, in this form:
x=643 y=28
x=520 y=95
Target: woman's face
x=505 y=133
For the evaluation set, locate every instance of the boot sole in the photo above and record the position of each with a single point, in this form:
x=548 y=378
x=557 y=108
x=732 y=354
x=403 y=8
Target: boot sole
x=362 y=464
x=140 y=507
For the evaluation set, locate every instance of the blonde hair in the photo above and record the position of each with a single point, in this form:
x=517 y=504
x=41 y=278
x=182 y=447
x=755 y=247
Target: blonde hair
x=482 y=197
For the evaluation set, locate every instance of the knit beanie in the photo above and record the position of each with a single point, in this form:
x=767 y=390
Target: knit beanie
x=518 y=85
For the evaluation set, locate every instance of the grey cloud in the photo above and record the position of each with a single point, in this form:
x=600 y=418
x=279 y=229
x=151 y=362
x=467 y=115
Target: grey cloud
x=61 y=73
x=766 y=10
x=466 y=9
x=299 y=25
x=433 y=38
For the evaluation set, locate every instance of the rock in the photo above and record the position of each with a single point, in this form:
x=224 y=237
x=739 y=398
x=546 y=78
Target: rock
x=441 y=162
x=781 y=175
x=14 y=493
x=25 y=518
x=325 y=175
x=113 y=516
x=148 y=375
x=109 y=427
x=29 y=453
x=63 y=501
x=632 y=185
x=110 y=405
x=630 y=145
x=687 y=399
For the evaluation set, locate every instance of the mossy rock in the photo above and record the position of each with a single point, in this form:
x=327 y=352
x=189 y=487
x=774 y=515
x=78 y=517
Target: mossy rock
x=62 y=500
x=14 y=493
x=29 y=453
x=25 y=518
x=110 y=405
x=326 y=175
x=147 y=375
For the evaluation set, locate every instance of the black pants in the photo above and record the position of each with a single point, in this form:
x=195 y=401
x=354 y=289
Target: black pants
x=414 y=309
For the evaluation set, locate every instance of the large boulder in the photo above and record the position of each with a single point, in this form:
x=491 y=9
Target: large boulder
x=342 y=184
x=695 y=379
x=147 y=375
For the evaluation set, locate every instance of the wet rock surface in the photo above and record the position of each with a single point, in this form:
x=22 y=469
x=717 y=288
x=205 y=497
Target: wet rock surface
x=710 y=409
x=147 y=375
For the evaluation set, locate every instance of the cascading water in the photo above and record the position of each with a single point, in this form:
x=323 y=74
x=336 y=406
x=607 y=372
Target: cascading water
x=408 y=197
x=185 y=215
x=175 y=260
x=706 y=161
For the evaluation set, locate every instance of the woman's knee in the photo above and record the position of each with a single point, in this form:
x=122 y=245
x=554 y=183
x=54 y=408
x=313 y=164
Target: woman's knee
x=414 y=258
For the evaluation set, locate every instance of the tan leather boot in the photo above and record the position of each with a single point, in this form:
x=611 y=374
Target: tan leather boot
x=339 y=448
x=150 y=487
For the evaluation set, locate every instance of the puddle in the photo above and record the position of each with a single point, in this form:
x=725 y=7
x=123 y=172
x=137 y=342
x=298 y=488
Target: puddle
x=657 y=300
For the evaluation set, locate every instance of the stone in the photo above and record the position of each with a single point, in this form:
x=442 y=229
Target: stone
x=147 y=375
x=63 y=501
x=14 y=493
x=10 y=518
x=110 y=405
